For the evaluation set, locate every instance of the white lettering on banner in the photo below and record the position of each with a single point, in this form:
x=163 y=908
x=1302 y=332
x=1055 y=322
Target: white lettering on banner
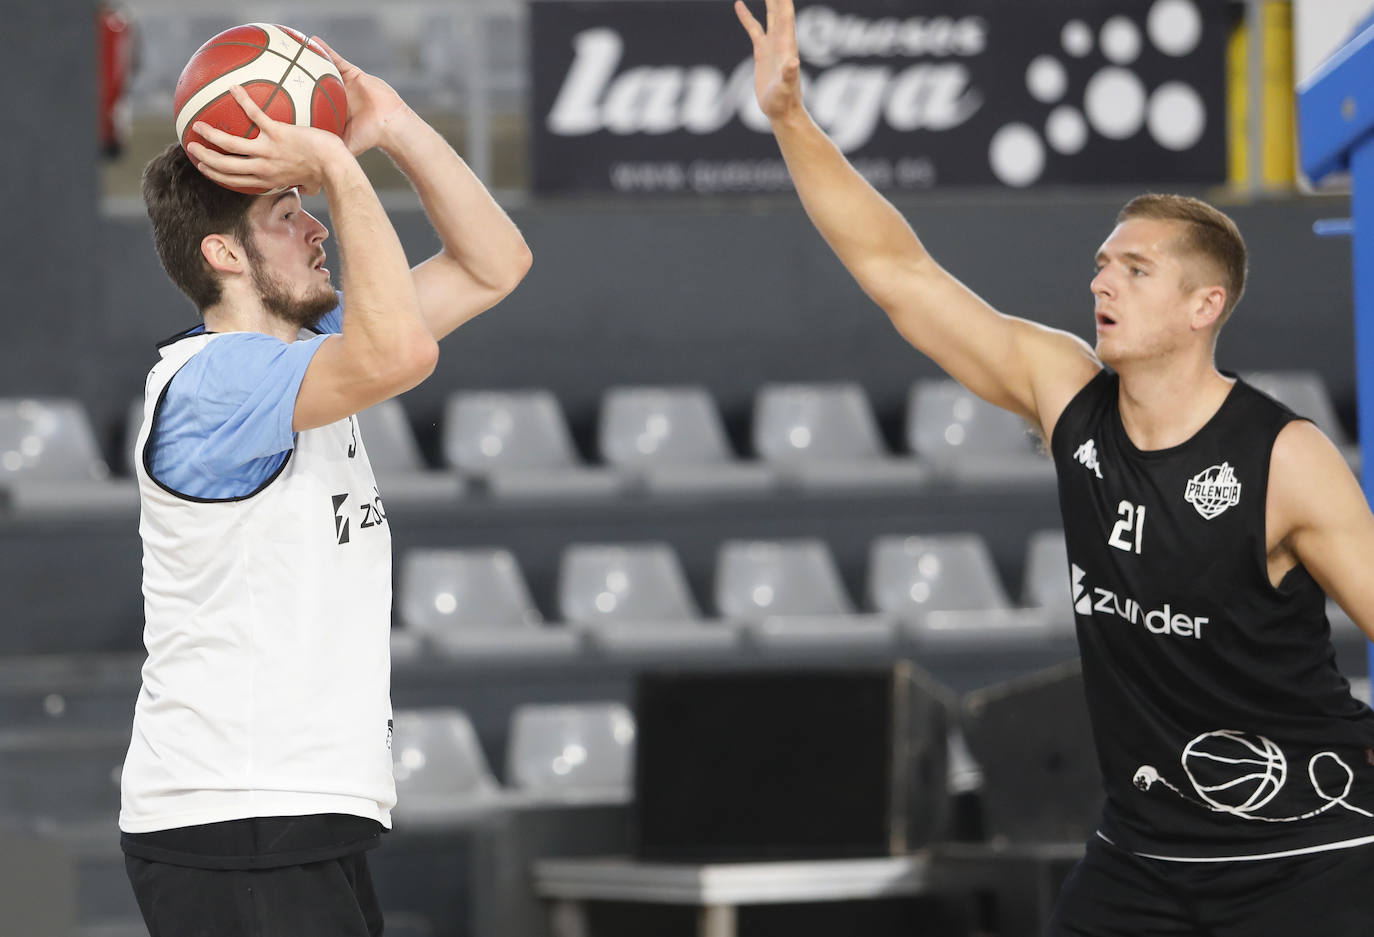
x=710 y=176
x=825 y=36
x=847 y=100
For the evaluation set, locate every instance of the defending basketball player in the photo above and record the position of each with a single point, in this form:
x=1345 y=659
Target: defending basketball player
x=259 y=770
x=1206 y=524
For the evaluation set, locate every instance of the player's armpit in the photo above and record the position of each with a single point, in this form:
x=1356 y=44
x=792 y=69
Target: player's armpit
x=1317 y=514
x=1022 y=366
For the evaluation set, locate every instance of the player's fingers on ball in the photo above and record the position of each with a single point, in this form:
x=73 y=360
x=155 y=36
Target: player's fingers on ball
x=227 y=141
x=226 y=178
x=250 y=107
x=340 y=62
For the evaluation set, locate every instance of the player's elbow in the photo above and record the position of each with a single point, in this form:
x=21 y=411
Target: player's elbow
x=517 y=264
x=420 y=360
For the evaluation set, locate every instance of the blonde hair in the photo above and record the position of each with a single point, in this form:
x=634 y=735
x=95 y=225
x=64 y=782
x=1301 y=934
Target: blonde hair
x=1207 y=233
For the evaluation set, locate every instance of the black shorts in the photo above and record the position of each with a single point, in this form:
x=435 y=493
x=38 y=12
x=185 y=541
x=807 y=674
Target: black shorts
x=1114 y=893
x=333 y=898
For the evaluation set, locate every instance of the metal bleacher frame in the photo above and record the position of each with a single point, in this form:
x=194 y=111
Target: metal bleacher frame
x=1336 y=128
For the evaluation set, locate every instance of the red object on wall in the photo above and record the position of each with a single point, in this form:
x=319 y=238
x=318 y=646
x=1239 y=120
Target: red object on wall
x=114 y=37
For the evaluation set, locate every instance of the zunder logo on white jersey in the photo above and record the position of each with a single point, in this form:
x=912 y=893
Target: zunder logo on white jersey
x=1213 y=490
x=1087 y=454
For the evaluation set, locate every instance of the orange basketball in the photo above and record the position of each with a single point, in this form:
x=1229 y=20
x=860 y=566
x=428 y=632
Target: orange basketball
x=291 y=78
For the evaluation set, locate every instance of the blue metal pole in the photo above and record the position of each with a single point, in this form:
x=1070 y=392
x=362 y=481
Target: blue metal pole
x=1362 y=266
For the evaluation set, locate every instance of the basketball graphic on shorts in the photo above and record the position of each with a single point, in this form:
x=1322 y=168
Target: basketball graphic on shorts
x=291 y=78
x=1235 y=772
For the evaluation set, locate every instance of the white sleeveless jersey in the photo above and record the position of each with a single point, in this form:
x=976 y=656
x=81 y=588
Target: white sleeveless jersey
x=266 y=691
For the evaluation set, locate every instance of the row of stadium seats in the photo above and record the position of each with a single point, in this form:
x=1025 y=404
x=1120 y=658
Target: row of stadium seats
x=664 y=439
x=584 y=750
x=942 y=590
x=563 y=753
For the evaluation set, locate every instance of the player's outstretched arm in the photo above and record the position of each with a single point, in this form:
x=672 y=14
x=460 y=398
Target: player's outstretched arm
x=385 y=348
x=1318 y=516
x=1027 y=368
x=483 y=256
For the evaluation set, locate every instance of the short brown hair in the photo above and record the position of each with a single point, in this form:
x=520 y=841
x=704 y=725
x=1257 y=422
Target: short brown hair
x=1207 y=232
x=185 y=207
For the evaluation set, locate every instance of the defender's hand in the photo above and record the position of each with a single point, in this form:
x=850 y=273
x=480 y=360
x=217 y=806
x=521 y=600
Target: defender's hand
x=777 y=66
x=280 y=156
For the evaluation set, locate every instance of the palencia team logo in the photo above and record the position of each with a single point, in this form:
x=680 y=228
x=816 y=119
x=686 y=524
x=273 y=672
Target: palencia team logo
x=1213 y=490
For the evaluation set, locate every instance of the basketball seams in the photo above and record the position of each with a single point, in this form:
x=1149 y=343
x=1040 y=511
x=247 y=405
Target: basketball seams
x=306 y=93
x=321 y=91
x=279 y=87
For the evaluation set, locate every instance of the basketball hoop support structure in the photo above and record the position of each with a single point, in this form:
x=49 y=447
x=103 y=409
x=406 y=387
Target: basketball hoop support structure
x=1336 y=132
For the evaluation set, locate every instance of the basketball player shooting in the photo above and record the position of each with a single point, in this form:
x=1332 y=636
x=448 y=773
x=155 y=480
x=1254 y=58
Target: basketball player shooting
x=1206 y=524
x=259 y=770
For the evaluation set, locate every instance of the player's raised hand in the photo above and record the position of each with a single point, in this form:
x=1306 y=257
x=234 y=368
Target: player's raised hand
x=777 y=65
x=281 y=155
x=372 y=104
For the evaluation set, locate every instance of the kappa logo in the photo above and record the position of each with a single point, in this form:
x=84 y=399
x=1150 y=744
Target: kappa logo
x=1087 y=454
x=1213 y=490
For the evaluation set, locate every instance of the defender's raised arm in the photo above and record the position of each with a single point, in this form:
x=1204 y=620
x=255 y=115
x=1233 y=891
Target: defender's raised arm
x=1022 y=366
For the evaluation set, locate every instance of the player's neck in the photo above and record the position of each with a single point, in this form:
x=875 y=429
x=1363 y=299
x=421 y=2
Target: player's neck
x=1165 y=404
x=248 y=316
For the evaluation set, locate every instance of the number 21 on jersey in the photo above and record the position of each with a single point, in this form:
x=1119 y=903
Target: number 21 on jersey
x=1130 y=530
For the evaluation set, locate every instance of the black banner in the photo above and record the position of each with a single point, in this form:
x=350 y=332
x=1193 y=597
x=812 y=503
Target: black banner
x=657 y=96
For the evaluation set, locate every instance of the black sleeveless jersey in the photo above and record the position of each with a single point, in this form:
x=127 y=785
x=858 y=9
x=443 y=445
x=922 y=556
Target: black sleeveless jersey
x=1223 y=727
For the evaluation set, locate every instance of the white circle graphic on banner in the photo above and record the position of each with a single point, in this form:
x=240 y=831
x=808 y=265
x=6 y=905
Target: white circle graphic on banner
x=1115 y=102
x=1175 y=26
x=1017 y=155
x=1076 y=38
x=1120 y=40
x=1177 y=116
x=1046 y=79
x=1066 y=130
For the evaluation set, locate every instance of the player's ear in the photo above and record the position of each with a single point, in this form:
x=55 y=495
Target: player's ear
x=1210 y=303
x=223 y=253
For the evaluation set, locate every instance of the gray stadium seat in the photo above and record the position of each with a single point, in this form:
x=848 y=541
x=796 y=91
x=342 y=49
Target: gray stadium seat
x=672 y=439
x=518 y=442
x=825 y=436
x=965 y=438
x=49 y=438
x=582 y=753
x=442 y=777
x=951 y=605
x=756 y=579
x=1306 y=394
x=402 y=475
x=1046 y=579
x=789 y=595
x=50 y=462
x=633 y=597
x=474 y=601
x=913 y=576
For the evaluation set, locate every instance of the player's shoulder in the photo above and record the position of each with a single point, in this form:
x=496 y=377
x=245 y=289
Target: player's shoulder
x=1304 y=461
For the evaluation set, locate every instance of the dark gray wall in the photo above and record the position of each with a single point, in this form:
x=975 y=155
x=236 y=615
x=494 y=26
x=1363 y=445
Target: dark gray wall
x=733 y=294
x=48 y=189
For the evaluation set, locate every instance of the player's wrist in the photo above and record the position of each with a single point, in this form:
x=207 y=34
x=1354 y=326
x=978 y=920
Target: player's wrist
x=399 y=129
x=337 y=166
